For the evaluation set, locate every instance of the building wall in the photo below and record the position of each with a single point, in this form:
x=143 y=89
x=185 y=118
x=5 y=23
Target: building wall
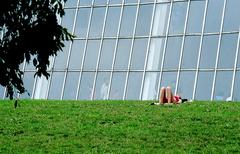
x=128 y=49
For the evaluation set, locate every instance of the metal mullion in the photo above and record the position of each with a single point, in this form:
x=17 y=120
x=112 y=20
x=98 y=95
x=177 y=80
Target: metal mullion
x=200 y=51
x=218 y=50
x=84 y=52
x=148 y=48
x=115 y=49
x=165 y=46
x=235 y=65
x=99 y=51
x=182 y=47
x=131 y=50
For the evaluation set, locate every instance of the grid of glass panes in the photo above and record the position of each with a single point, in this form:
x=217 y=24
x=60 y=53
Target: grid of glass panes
x=128 y=49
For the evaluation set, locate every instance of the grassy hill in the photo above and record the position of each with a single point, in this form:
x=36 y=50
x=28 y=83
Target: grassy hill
x=119 y=127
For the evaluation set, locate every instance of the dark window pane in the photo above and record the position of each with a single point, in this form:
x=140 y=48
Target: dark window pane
x=128 y=19
x=186 y=83
x=134 y=86
x=97 y=22
x=82 y=22
x=61 y=58
x=112 y=21
x=76 y=54
x=169 y=79
x=71 y=85
x=68 y=19
x=56 y=85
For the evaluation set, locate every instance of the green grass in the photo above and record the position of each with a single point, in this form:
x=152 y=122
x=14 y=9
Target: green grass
x=119 y=127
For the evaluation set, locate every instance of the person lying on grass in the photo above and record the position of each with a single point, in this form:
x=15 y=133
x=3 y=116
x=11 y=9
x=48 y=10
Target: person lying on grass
x=167 y=97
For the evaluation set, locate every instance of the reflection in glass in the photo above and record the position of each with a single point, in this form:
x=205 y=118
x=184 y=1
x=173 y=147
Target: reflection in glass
x=155 y=54
x=214 y=15
x=68 y=19
x=91 y=55
x=209 y=51
x=112 y=21
x=102 y=86
x=71 y=3
x=86 y=86
x=144 y=20
x=100 y=2
x=190 y=52
x=107 y=54
x=28 y=81
x=160 y=19
x=128 y=19
x=139 y=54
x=85 y=2
x=150 y=89
x=1 y=92
x=130 y=1
x=115 y=2
x=117 y=87
x=61 y=58
x=186 y=83
x=231 y=19
x=169 y=79
x=236 y=95
x=76 y=54
x=178 y=17
x=82 y=22
x=228 y=51
x=195 y=17
x=123 y=51
x=56 y=85
x=134 y=86
x=173 y=52
x=204 y=86
x=97 y=22
x=71 y=85
x=223 y=85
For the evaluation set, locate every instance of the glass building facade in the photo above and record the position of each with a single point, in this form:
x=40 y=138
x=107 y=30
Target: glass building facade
x=128 y=49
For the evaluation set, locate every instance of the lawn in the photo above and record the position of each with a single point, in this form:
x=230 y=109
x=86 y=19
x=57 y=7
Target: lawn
x=119 y=127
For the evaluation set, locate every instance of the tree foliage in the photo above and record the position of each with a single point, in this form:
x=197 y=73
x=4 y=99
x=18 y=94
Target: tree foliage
x=29 y=28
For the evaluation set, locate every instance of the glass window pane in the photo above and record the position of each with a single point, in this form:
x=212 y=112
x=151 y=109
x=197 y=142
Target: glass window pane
x=131 y=1
x=71 y=85
x=214 y=15
x=86 y=87
x=195 y=17
x=144 y=20
x=232 y=20
x=228 y=51
x=236 y=94
x=28 y=81
x=134 y=86
x=173 y=52
x=204 y=86
x=112 y=21
x=178 y=17
x=1 y=92
x=139 y=54
x=155 y=54
x=186 y=83
x=128 y=19
x=223 y=85
x=160 y=19
x=107 y=54
x=97 y=22
x=100 y=2
x=115 y=2
x=68 y=19
x=142 y=1
x=117 y=87
x=91 y=54
x=102 y=86
x=71 y=3
x=56 y=85
x=209 y=51
x=190 y=53
x=61 y=58
x=76 y=54
x=169 y=79
x=82 y=22
x=150 y=89
x=123 y=51
x=85 y=2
